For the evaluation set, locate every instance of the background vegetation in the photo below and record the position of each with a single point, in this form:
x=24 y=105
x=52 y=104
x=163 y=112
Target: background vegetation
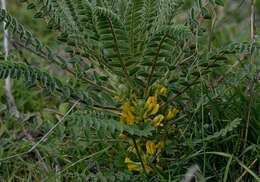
x=217 y=128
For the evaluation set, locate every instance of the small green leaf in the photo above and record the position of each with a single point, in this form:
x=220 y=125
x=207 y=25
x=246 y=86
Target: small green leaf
x=219 y=2
x=64 y=107
x=38 y=15
x=31 y=6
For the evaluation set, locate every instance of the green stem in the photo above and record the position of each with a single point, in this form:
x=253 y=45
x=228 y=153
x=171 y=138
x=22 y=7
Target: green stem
x=139 y=156
x=129 y=81
x=154 y=61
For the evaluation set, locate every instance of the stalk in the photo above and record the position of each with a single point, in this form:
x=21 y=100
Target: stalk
x=8 y=83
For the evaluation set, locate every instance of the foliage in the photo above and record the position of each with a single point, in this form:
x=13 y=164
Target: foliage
x=152 y=76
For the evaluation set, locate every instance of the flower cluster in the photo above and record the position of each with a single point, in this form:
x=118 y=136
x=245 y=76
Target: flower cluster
x=156 y=112
x=150 y=156
x=128 y=115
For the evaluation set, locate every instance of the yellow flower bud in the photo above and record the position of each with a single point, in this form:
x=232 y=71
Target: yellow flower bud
x=151 y=103
x=148 y=102
x=145 y=115
x=132 y=149
x=127 y=115
x=150 y=147
x=172 y=113
x=127 y=107
x=155 y=109
x=157 y=121
x=131 y=165
x=160 y=145
x=130 y=119
x=163 y=90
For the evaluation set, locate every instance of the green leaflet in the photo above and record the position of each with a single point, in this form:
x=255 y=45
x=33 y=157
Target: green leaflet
x=18 y=29
x=114 y=39
x=32 y=75
x=108 y=124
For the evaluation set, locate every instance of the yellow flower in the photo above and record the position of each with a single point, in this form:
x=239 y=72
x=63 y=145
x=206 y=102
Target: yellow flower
x=136 y=166
x=127 y=115
x=172 y=113
x=145 y=115
x=131 y=165
x=151 y=103
x=148 y=102
x=155 y=109
x=130 y=118
x=150 y=147
x=152 y=107
x=160 y=146
x=127 y=107
x=162 y=90
x=133 y=150
x=157 y=121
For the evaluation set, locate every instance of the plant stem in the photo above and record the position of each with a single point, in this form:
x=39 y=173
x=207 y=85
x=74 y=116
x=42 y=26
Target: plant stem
x=252 y=81
x=154 y=61
x=129 y=81
x=139 y=156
